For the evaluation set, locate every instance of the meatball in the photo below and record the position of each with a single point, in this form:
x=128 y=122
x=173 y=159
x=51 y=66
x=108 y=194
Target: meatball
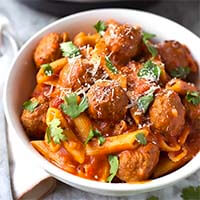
x=79 y=72
x=35 y=122
x=123 y=41
x=174 y=55
x=167 y=114
x=107 y=101
x=137 y=165
x=193 y=114
x=48 y=48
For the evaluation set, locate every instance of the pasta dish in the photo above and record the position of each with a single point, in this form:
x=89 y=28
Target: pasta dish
x=114 y=106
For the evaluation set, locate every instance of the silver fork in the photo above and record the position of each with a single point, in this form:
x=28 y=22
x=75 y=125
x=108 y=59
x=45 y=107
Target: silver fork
x=8 y=49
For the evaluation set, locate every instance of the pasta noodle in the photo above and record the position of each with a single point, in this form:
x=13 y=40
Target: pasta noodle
x=56 y=67
x=175 y=157
x=115 y=144
x=83 y=125
x=165 y=147
x=179 y=86
x=166 y=166
x=72 y=145
x=183 y=137
x=60 y=158
x=81 y=39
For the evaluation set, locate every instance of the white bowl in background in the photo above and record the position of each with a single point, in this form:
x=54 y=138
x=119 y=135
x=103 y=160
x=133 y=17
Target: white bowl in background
x=21 y=81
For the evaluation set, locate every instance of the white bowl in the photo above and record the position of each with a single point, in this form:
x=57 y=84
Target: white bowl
x=21 y=81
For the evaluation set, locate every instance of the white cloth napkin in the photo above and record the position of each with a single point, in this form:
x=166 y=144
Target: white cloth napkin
x=28 y=181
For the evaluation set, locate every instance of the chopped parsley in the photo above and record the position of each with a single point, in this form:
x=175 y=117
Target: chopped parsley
x=30 y=105
x=191 y=193
x=180 y=72
x=110 y=66
x=95 y=133
x=71 y=106
x=141 y=139
x=146 y=37
x=193 y=97
x=153 y=198
x=100 y=27
x=114 y=165
x=150 y=71
x=48 y=71
x=55 y=131
x=69 y=49
x=144 y=101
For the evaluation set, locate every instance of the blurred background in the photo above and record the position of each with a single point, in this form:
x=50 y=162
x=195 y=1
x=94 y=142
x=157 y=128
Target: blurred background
x=28 y=16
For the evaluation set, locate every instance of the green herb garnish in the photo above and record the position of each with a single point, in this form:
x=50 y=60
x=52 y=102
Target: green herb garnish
x=191 y=193
x=150 y=71
x=55 y=131
x=114 y=165
x=110 y=66
x=30 y=106
x=48 y=71
x=193 y=97
x=71 y=106
x=95 y=133
x=180 y=72
x=146 y=37
x=69 y=49
x=144 y=101
x=141 y=139
x=100 y=27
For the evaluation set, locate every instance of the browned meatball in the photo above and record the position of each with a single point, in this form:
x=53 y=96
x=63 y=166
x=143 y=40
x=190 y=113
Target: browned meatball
x=167 y=114
x=137 y=165
x=107 y=101
x=123 y=41
x=35 y=122
x=48 y=48
x=193 y=114
x=77 y=73
x=174 y=55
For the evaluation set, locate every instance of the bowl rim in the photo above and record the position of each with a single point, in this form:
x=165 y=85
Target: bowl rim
x=62 y=175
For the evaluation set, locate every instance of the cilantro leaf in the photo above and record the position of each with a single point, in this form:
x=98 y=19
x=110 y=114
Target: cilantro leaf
x=55 y=131
x=146 y=37
x=101 y=140
x=114 y=165
x=191 y=193
x=48 y=71
x=144 y=101
x=193 y=97
x=95 y=133
x=30 y=106
x=150 y=71
x=100 y=27
x=71 y=106
x=48 y=132
x=141 y=139
x=110 y=66
x=153 y=198
x=69 y=49
x=180 y=72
